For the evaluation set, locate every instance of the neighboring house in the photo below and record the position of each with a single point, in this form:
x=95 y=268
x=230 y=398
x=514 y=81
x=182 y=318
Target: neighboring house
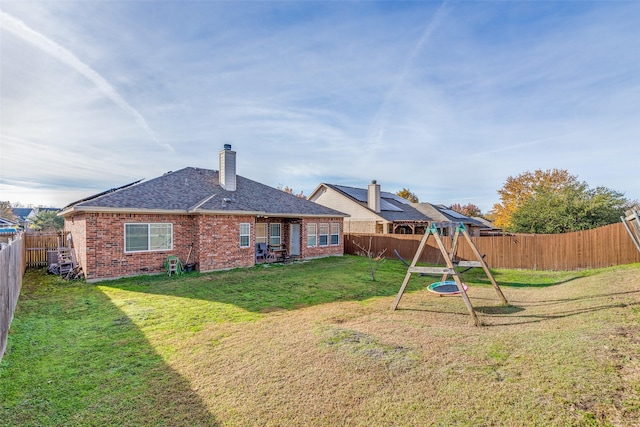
x=447 y=219
x=26 y=215
x=7 y=223
x=487 y=227
x=371 y=210
x=8 y=229
x=214 y=219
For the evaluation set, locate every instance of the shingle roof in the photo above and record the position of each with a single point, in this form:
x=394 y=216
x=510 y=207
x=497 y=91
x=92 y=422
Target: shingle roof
x=22 y=213
x=442 y=214
x=392 y=206
x=198 y=190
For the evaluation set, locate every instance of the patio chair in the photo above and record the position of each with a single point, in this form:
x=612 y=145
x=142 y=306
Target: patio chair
x=261 y=251
x=270 y=255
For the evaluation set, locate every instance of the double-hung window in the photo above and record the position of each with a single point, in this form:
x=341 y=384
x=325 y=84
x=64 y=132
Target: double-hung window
x=261 y=232
x=245 y=234
x=143 y=237
x=275 y=234
x=335 y=234
x=324 y=234
x=312 y=235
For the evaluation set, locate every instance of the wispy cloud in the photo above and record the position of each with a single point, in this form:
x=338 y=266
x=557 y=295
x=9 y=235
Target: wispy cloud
x=21 y=30
x=447 y=99
x=379 y=121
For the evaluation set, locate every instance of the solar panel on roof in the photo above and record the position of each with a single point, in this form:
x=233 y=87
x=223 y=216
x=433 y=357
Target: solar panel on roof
x=360 y=194
x=357 y=193
x=394 y=197
x=453 y=213
x=385 y=205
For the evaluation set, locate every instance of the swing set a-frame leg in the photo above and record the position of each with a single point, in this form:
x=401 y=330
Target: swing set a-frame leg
x=402 y=288
x=416 y=257
x=485 y=267
x=463 y=292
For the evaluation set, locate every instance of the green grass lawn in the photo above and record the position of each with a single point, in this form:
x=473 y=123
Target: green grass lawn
x=315 y=343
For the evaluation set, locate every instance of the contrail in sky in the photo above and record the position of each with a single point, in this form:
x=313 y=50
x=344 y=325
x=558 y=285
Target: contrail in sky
x=20 y=29
x=378 y=121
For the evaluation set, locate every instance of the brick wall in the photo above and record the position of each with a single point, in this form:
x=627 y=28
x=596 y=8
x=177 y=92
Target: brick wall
x=77 y=226
x=320 y=251
x=99 y=242
x=219 y=242
x=210 y=241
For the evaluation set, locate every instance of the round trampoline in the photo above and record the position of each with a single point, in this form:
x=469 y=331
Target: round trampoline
x=446 y=288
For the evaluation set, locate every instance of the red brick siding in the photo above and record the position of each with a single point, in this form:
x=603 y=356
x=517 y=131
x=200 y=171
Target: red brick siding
x=213 y=242
x=77 y=226
x=219 y=242
x=319 y=251
x=104 y=244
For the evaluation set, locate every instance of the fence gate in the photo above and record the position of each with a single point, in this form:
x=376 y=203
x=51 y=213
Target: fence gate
x=39 y=244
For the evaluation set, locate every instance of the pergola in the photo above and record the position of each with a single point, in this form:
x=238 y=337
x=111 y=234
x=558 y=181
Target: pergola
x=412 y=225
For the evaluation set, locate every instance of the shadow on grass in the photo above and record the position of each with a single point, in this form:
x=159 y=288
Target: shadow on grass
x=543 y=282
x=500 y=309
x=537 y=318
x=512 y=309
x=272 y=287
x=517 y=310
x=75 y=359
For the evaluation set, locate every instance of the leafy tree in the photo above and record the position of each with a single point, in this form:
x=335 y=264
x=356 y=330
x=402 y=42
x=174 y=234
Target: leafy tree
x=572 y=208
x=469 y=209
x=47 y=221
x=6 y=211
x=407 y=194
x=518 y=190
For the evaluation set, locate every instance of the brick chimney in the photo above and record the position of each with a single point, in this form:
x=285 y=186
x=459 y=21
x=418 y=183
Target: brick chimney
x=373 y=196
x=227 y=175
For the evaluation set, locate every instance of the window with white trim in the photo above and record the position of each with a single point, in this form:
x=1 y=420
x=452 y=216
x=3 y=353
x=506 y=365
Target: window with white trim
x=335 y=234
x=324 y=234
x=261 y=232
x=146 y=237
x=245 y=234
x=275 y=234
x=312 y=235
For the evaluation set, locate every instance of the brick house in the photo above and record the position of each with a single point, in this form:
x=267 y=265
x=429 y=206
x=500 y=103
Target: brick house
x=211 y=218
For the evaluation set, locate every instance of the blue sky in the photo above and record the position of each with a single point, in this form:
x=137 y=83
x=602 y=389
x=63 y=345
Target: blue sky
x=447 y=99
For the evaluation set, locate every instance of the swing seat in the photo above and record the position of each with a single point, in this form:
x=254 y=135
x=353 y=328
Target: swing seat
x=446 y=288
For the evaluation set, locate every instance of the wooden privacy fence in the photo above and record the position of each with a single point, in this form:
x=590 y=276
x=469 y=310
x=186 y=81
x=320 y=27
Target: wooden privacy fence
x=600 y=247
x=12 y=266
x=38 y=244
